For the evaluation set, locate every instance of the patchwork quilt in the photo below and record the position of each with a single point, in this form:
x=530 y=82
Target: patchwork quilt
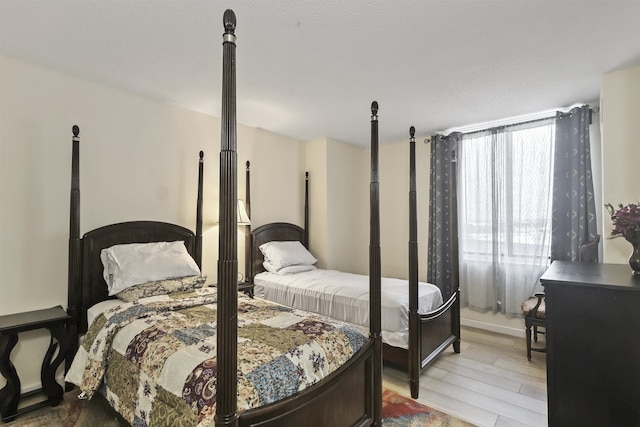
x=154 y=359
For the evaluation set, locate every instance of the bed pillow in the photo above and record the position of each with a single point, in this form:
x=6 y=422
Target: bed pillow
x=284 y=254
x=132 y=264
x=161 y=287
x=291 y=269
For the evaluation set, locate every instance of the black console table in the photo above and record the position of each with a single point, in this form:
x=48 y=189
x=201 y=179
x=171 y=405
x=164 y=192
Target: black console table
x=55 y=320
x=593 y=344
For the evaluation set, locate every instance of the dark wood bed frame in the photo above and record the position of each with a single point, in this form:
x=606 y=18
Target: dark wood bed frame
x=429 y=333
x=351 y=396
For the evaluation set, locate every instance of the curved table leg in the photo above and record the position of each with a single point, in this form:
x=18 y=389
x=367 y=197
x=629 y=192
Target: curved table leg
x=52 y=389
x=10 y=393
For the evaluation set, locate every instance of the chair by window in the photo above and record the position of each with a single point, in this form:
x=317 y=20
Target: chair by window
x=534 y=308
x=534 y=315
x=589 y=251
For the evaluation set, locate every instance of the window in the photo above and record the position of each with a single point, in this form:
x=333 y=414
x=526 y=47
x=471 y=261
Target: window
x=504 y=205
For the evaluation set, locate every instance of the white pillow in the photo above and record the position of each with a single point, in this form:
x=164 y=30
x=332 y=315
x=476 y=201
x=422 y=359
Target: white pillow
x=284 y=254
x=292 y=269
x=135 y=263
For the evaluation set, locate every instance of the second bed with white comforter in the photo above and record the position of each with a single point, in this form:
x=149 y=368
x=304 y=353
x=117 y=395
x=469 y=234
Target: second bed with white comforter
x=345 y=296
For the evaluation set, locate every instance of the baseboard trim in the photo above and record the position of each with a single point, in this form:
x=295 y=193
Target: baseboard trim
x=26 y=388
x=506 y=330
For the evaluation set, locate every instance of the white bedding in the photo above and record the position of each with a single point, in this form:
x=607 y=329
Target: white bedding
x=345 y=296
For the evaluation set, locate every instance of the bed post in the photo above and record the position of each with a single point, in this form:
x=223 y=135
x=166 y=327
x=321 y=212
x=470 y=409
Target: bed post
x=247 y=231
x=227 y=341
x=375 y=270
x=198 y=249
x=455 y=274
x=414 y=326
x=306 y=209
x=74 y=297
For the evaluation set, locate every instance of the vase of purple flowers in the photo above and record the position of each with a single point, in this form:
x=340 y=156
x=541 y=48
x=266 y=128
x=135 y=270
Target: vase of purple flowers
x=626 y=223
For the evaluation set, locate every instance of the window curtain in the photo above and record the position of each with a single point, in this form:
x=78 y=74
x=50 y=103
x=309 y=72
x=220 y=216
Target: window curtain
x=574 y=209
x=442 y=189
x=504 y=209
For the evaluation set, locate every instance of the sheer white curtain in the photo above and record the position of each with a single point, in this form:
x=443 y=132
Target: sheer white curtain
x=504 y=205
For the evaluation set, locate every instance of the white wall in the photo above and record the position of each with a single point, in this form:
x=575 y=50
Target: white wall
x=620 y=109
x=339 y=204
x=316 y=165
x=138 y=160
x=347 y=207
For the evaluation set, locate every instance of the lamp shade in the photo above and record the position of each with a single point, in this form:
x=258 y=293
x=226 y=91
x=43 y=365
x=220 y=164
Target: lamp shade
x=243 y=217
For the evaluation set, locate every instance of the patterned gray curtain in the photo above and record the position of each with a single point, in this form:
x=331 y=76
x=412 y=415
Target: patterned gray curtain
x=441 y=193
x=574 y=209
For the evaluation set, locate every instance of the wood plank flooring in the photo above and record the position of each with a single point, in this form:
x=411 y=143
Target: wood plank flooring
x=490 y=383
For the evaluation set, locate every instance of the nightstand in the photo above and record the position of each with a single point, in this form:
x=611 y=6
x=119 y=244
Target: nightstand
x=246 y=287
x=55 y=320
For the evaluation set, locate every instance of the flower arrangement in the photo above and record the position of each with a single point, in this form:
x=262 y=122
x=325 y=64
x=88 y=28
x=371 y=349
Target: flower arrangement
x=626 y=222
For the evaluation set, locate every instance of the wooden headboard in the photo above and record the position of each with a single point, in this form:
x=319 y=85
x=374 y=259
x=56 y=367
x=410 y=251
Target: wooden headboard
x=275 y=231
x=94 y=288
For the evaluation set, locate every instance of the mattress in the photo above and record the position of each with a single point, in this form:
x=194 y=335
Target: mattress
x=345 y=296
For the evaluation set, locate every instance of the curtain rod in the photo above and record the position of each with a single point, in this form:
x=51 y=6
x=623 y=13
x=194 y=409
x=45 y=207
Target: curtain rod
x=592 y=110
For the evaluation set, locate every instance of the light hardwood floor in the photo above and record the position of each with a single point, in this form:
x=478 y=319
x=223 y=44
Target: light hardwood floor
x=490 y=383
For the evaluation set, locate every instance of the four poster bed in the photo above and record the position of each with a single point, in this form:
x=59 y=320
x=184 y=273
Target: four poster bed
x=418 y=324
x=169 y=351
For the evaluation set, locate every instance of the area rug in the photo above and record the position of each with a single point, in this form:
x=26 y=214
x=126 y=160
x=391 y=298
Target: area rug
x=400 y=411
x=397 y=411
x=72 y=412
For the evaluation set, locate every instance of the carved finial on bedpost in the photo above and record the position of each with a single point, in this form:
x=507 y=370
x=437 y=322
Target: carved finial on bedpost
x=76 y=131
x=229 y=20
x=201 y=155
x=412 y=133
x=374 y=110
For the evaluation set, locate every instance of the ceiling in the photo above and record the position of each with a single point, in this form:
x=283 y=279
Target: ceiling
x=309 y=69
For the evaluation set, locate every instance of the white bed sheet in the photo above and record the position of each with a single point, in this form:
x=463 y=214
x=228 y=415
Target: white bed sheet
x=345 y=296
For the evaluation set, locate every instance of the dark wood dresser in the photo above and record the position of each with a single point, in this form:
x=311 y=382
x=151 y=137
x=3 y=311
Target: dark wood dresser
x=593 y=344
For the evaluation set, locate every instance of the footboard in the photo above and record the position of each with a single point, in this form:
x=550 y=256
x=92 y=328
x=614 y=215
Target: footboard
x=439 y=329
x=343 y=399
